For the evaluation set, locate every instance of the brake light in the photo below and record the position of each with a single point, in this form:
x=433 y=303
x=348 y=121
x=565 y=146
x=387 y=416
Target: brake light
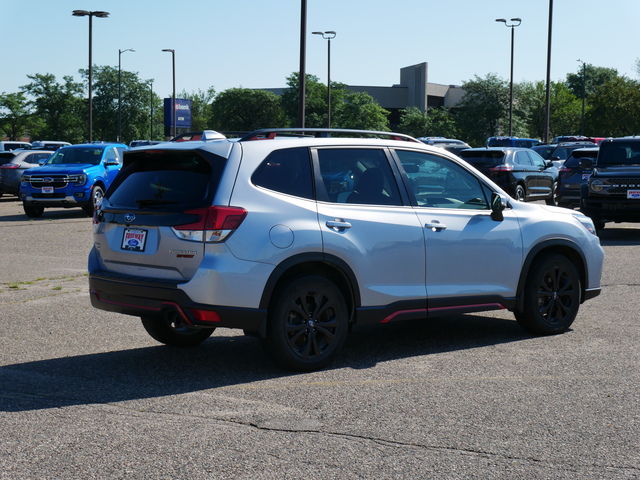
x=10 y=165
x=564 y=169
x=214 y=225
x=502 y=168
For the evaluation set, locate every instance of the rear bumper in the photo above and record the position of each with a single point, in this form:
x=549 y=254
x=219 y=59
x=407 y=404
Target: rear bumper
x=144 y=298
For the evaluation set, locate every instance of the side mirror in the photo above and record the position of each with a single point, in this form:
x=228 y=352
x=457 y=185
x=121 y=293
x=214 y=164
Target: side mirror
x=498 y=204
x=42 y=161
x=586 y=163
x=111 y=162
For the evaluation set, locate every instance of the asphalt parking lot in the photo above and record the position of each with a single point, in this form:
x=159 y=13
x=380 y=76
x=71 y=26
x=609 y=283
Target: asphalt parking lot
x=87 y=394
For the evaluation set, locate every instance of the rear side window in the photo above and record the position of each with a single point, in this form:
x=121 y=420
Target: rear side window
x=286 y=171
x=166 y=179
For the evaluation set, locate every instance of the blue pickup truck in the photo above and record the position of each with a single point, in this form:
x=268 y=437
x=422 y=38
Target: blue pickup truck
x=74 y=176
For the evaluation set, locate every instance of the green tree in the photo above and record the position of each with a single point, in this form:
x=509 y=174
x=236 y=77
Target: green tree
x=565 y=109
x=614 y=108
x=201 y=107
x=483 y=108
x=244 y=109
x=359 y=110
x=136 y=99
x=315 y=100
x=414 y=122
x=15 y=115
x=59 y=108
x=436 y=122
x=591 y=77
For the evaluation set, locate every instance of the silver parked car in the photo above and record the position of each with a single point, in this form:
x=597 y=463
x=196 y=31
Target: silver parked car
x=13 y=164
x=296 y=240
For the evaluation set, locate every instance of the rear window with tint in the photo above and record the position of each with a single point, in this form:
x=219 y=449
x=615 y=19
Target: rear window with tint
x=487 y=157
x=164 y=180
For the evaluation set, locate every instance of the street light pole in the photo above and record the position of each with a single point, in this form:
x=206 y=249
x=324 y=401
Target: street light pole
x=120 y=52
x=151 y=109
x=173 y=102
x=516 y=22
x=328 y=35
x=99 y=14
x=584 y=91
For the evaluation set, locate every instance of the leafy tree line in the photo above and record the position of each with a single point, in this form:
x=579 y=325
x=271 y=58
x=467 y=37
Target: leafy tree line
x=48 y=109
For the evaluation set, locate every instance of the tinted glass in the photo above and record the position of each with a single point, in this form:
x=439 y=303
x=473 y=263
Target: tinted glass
x=356 y=175
x=286 y=171
x=619 y=153
x=166 y=179
x=487 y=158
x=439 y=182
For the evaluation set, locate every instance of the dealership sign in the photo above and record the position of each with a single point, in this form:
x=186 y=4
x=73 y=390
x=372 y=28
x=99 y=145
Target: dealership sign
x=183 y=113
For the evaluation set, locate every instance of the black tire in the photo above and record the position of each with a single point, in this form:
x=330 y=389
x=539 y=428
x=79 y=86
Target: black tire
x=33 y=211
x=551 y=296
x=96 y=197
x=171 y=330
x=307 y=324
x=520 y=193
x=554 y=195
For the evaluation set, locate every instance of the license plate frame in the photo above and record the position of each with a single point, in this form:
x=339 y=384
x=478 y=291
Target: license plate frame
x=633 y=194
x=134 y=239
x=46 y=190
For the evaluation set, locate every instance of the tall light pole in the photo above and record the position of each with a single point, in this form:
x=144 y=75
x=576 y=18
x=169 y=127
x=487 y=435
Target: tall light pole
x=99 y=14
x=584 y=92
x=547 y=112
x=173 y=102
x=328 y=35
x=515 y=23
x=120 y=52
x=302 y=80
x=151 y=109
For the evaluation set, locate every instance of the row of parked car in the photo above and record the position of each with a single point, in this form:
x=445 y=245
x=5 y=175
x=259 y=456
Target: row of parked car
x=559 y=174
x=69 y=176
x=527 y=169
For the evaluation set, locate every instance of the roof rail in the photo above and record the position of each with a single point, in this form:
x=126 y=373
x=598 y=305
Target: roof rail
x=202 y=135
x=271 y=133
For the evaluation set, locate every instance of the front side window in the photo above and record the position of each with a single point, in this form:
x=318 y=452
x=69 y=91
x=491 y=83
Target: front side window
x=358 y=175
x=439 y=182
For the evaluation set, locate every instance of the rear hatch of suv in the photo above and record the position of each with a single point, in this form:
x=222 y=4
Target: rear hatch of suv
x=484 y=160
x=157 y=216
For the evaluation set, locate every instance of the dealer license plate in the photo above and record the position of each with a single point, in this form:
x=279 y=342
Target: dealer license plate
x=47 y=189
x=634 y=194
x=134 y=239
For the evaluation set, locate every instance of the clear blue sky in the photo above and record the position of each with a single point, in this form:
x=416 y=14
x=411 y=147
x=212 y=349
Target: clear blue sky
x=256 y=44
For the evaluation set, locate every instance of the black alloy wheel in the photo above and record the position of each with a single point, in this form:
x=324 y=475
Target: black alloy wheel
x=551 y=296
x=308 y=323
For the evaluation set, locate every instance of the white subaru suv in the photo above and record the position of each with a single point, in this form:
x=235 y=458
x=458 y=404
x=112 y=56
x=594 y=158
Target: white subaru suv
x=297 y=235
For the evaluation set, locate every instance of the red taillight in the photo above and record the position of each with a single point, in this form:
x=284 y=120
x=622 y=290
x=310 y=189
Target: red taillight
x=502 y=168
x=214 y=225
x=10 y=165
x=564 y=169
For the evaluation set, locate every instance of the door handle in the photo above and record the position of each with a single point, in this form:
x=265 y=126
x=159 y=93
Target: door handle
x=436 y=226
x=339 y=225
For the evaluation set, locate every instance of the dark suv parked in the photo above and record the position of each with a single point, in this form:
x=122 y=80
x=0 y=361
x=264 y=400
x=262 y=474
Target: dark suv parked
x=612 y=193
x=521 y=172
x=573 y=176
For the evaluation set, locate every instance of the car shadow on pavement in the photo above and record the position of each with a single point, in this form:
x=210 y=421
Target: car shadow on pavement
x=221 y=361
x=613 y=236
